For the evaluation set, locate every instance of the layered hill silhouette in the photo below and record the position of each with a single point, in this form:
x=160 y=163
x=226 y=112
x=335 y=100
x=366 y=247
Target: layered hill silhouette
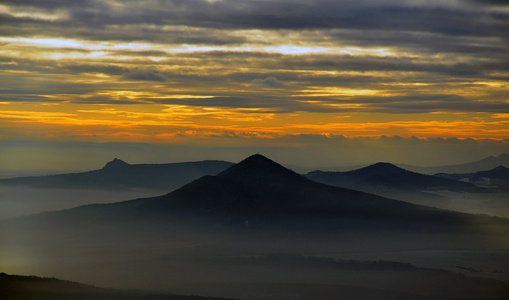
x=498 y=176
x=119 y=174
x=209 y=237
x=263 y=192
x=387 y=179
x=487 y=163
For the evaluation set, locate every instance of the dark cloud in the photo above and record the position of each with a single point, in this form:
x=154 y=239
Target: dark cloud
x=270 y=82
x=52 y=4
x=90 y=68
x=490 y=2
x=422 y=42
x=283 y=14
x=439 y=42
x=386 y=104
x=145 y=76
x=105 y=99
x=276 y=104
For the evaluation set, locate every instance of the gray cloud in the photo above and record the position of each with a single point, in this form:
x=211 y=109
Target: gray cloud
x=284 y=14
x=93 y=68
x=145 y=76
x=444 y=43
x=270 y=82
x=490 y=2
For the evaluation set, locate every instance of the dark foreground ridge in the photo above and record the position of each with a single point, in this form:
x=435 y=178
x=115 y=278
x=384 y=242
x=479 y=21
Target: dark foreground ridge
x=16 y=287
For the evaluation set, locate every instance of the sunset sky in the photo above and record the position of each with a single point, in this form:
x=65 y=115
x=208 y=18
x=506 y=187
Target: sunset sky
x=307 y=82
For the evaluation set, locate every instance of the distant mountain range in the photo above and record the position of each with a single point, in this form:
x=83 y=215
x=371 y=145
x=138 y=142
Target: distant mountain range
x=202 y=235
x=497 y=177
x=388 y=180
x=481 y=165
x=259 y=191
x=119 y=174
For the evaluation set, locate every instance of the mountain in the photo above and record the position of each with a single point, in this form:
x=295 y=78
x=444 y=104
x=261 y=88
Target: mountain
x=487 y=163
x=496 y=177
x=16 y=287
x=118 y=174
x=262 y=191
x=388 y=180
x=202 y=237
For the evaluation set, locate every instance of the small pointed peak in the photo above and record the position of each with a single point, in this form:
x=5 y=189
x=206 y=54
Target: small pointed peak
x=258 y=167
x=384 y=164
x=115 y=163
x=316 y=172
x=259 y=161
x=500 y=168
x=257 y=158
x=383 y=168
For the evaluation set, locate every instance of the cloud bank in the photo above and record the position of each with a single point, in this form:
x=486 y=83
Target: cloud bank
x=171 y=71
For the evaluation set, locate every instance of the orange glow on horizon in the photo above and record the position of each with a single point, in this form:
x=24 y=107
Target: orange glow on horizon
x=180 y=122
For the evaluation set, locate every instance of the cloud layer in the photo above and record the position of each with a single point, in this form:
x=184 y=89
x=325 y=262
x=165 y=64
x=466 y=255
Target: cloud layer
x=174 y=71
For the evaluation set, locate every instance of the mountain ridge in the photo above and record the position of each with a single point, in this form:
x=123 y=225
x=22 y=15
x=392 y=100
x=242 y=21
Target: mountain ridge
x=385 y=177
x=117 y=174
x=202 y=233
x=486 y=163
x=498 y=176
x=234 y=196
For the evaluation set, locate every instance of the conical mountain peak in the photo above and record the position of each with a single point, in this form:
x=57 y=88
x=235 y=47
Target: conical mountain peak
x=115 y=164
x=258 y=168
x=383 y=168
x=260 y=161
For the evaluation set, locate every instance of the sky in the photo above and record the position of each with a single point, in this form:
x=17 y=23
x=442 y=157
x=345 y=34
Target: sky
x=306 y=82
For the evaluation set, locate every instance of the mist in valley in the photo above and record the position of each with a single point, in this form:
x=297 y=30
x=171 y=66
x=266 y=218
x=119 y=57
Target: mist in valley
x=259 y=231
x=17 y=201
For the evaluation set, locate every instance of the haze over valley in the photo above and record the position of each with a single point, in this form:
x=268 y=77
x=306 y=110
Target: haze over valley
x=254 y=149
x=257 y=230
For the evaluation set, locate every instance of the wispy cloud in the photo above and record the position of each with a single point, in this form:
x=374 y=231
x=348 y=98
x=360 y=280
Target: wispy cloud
x=263 y=68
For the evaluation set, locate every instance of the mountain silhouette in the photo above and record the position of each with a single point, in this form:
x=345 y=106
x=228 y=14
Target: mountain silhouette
x=385 y=178
x=203 y=232
x=118 y=174
x=116 y=164
x=498 y=176
x=487 y=163
x=257 y=168
x=260 y=189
